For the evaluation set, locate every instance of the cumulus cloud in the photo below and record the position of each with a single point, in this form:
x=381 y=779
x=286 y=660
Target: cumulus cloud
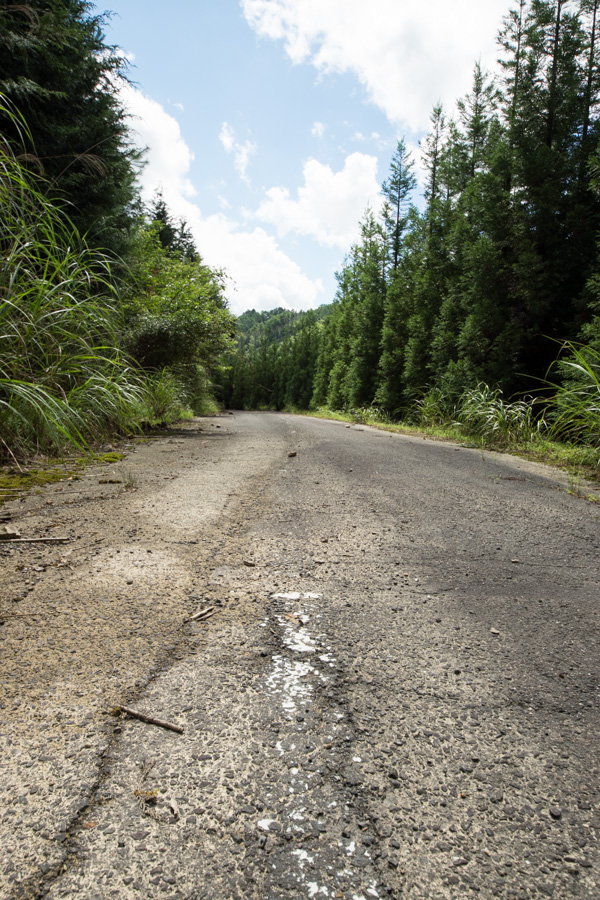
x=265 y=276
x=169 y=157
x=241 y=152
x=407 y=55
x=260 y=274
x=329 y=204
x=318 y=129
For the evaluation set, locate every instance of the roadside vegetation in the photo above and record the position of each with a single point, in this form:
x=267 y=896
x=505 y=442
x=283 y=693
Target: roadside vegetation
x=109 y=319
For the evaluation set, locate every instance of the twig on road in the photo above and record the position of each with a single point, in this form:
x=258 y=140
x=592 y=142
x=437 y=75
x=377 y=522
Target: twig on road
x=202 y=614
x=40 y=540
x=150 y=720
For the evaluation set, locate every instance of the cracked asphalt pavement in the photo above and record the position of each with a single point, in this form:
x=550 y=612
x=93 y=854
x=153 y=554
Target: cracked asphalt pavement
x=393 y=694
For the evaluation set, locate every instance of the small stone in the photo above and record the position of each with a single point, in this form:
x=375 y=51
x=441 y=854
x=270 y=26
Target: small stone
x=249 y=563
x=292 y=453
x=494 y=631
x=556 y=812
x=393 y=862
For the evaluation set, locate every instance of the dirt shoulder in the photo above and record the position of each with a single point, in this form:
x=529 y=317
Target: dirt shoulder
x=88 y=622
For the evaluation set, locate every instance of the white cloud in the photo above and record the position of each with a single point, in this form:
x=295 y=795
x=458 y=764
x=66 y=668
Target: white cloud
x=361 y=138
x=407 y=55
x=169 y=157
x=241 y=152
x=227 y=137
x=318 y=129
x=263 y=275
x=329 y=205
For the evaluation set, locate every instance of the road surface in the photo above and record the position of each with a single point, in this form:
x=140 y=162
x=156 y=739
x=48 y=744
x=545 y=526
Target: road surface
x=395 y=694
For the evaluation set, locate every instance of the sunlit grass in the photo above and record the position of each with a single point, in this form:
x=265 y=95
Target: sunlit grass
x=64 y=382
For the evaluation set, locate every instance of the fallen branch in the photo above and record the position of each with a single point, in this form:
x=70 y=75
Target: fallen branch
x=204 y=613
x=32 y=540
x=150 y=720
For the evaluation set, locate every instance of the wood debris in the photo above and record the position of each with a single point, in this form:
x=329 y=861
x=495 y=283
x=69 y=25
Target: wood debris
x=151 y=720
x=39 y=540
x=202 y=614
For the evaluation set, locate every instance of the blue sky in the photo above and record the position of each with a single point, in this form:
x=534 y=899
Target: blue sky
x=270 y=124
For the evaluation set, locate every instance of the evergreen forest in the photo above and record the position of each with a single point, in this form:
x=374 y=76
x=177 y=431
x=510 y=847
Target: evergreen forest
x=490 y=290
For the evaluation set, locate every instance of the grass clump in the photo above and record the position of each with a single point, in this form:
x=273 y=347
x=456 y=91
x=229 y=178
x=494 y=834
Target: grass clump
x=485 y=414
x=576 y=403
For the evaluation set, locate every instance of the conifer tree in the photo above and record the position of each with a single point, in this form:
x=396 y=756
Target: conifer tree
x=397 y=189
x=57 y=69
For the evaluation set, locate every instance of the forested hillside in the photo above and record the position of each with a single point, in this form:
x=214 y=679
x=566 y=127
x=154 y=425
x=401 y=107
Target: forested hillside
x=484 y=283
x=274 y=326
x=108 y=316
x=275 y=359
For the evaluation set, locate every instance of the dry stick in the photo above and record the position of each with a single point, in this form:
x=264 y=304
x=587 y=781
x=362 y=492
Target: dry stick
x=12 y=454
x=32 y=540
x=201 y=614
x=151 y=720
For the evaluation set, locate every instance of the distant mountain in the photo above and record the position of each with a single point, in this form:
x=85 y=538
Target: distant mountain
x=273 y=326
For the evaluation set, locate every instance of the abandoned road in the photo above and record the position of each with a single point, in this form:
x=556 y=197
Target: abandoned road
x=394 y=692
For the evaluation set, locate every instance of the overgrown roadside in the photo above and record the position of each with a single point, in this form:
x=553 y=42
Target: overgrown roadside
x=88 y=622
x=579 y=463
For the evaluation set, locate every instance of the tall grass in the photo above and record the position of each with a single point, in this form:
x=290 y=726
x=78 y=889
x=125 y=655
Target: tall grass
x=576 y=403
x=486 y=414
x=63 y=380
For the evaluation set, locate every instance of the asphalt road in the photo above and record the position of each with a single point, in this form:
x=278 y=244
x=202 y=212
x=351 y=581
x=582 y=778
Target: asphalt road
x=396 y=694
